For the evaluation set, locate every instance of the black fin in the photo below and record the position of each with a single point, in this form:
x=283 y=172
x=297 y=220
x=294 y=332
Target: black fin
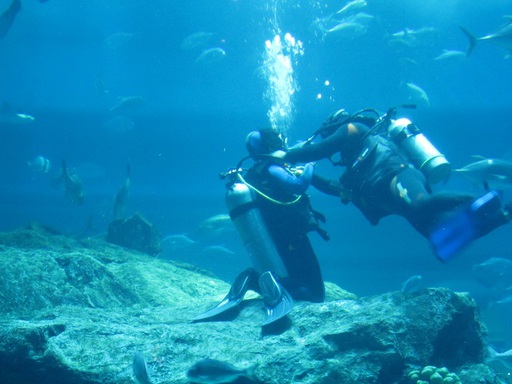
x=278 y=301
x=243 y=282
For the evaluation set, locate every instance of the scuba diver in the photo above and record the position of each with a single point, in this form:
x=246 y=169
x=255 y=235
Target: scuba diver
x=272 y=214
x=389 y=167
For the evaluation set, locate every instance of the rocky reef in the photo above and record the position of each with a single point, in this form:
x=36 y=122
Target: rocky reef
x=76 y=311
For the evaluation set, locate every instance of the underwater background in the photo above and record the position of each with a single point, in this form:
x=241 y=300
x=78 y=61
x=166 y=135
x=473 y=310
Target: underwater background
x=173 y=87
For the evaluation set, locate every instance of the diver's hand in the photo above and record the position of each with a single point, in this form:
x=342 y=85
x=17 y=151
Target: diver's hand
x=301 y=169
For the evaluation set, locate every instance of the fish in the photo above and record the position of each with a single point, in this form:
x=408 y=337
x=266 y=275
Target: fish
x=9 y=117
x=7 y=18
x=412 y=284
x=140 y=369
x=174 y=243
x=493 y=174
x=506 y=298
x=73 y=184
x=216 y=251
x=502 y=38
x=450 y=54
x=128 y=103
x=211 y=55
x=210 y=371
x=353 y=25
x=40 y=164
x=411 y=38
x=493 y=354
x=494 y=273
x=216 y=225
x=351 y=6
x=196 y=40
x=499 y=361
x=362 y=18
x=122 y=197
x=348 y=29
x=418 y=94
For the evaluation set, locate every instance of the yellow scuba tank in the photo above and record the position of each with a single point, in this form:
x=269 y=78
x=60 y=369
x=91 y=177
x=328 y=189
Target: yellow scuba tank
x=256 y=239
x=419 y=150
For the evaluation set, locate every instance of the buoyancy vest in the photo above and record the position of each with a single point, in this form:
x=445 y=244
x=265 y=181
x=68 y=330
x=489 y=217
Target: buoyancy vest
x=368 y=174
x=298 y=217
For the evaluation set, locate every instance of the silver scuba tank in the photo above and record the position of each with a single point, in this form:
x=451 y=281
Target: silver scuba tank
x=245 y=214
x=419 y=150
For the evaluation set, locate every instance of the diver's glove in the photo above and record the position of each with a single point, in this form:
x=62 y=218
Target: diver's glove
x=305 y=170
x=483 y=215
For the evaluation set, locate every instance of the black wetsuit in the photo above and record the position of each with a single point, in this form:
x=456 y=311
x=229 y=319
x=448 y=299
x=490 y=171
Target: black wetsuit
x=379 y=178
x=288 y=224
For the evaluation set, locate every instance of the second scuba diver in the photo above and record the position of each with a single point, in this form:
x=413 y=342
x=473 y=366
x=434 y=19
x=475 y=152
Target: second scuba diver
x=389 y=166
x=272 y=214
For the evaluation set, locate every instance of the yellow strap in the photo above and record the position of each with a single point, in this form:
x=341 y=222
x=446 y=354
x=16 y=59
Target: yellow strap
x=240 y=177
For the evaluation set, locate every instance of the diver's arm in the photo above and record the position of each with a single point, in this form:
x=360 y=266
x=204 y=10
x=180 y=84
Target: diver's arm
x=289 y=182
x=318 y=150
x=325 y=185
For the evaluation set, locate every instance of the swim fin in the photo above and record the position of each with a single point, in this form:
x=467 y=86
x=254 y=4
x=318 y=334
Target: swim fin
x=244 y=281
x=278 y=301
x=481 y=217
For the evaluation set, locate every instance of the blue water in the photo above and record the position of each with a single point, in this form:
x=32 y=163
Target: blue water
x=66 y=63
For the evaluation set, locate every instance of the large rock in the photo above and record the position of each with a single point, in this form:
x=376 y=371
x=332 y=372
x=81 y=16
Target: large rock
x=77 y=311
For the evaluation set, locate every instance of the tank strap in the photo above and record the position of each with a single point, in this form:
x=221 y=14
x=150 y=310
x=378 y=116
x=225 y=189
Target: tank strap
x=241 y=209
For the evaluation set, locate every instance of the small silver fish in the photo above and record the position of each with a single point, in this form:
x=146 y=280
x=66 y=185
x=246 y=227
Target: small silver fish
x=493 y=354
x=216 y=251
x=40 y=164
x=418 y=94
x=179 y=241
x=140 y=369
x=348 y=29
x=176 y=244
x=490 y=173
x=414 y=38
x=211 y=55
x=450 y=54
x=412 y=284
x=128 y=103
x=210 y=371
x=502 y=38
x=494 y=273
x=73 y=184
x=216 y=225
x=9 y=117
x=122 y=197
x=351 y=6
x=196 y=40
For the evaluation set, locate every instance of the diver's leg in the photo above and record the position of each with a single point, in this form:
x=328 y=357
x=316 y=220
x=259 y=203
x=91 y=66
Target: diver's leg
x=482 y=216
x=304 y=281
x=413 y=199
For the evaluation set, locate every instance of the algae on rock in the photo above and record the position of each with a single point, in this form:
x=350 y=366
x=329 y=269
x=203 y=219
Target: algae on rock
x=77 y=311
